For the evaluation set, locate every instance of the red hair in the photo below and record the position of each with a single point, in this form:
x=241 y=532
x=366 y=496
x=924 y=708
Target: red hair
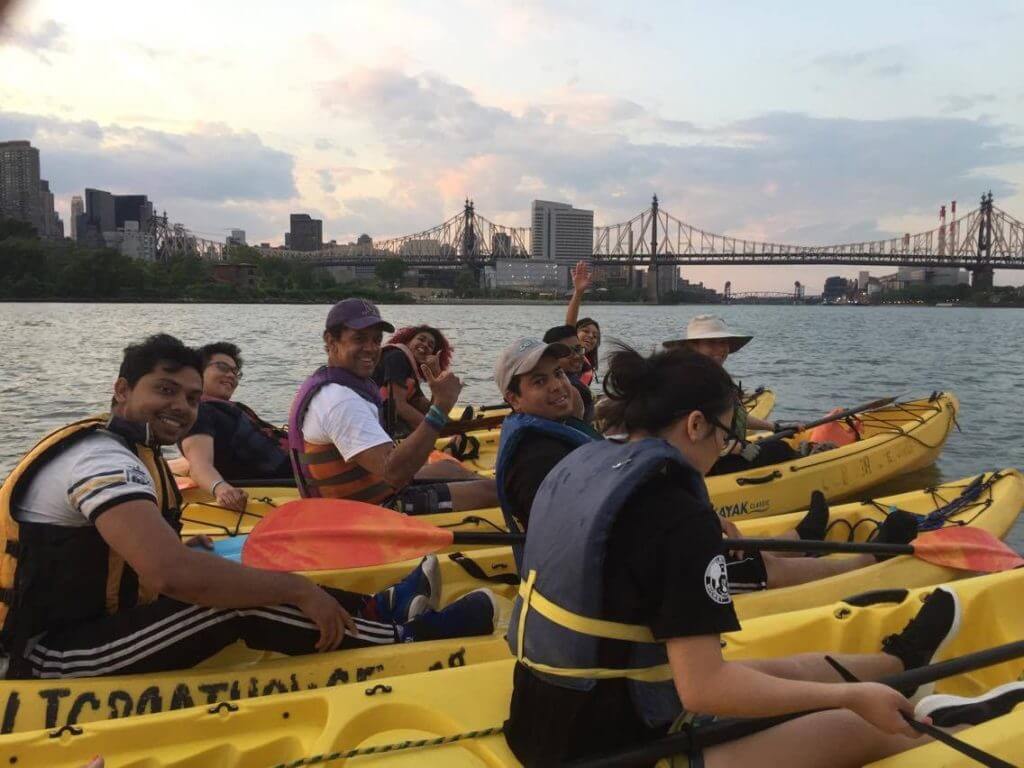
x=442 y=347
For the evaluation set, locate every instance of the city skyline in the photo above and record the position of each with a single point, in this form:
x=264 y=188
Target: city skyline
x=815 y=138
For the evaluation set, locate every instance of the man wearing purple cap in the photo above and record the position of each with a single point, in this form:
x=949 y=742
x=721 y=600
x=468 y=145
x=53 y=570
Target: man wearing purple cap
x=338 y=445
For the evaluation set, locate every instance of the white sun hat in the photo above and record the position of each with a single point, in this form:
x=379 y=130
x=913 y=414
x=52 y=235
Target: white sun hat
x=710 y=327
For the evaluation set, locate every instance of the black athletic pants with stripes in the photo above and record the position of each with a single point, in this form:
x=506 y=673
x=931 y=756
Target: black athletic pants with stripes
x=167 y=635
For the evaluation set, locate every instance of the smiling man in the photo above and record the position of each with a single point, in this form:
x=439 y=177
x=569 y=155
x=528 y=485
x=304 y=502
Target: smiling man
x=545 y=427
x=229 y=441
x=96 y=581
x=338 y=444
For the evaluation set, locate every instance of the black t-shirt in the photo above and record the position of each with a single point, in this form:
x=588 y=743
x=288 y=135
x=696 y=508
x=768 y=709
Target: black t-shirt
x=228 y=456
x=654 y=575
x=394 y=372
x=535 y=456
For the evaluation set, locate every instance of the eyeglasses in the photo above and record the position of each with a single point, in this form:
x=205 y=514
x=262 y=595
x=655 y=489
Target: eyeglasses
x=578 y=349
x=225 y=368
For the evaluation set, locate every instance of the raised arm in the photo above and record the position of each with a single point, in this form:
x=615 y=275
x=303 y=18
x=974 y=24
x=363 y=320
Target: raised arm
x=581 y=279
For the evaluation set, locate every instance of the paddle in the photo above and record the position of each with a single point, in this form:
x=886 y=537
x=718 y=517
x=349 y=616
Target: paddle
x=782 y=434
x=326 y=534
x=725 y=730
x=461 y=426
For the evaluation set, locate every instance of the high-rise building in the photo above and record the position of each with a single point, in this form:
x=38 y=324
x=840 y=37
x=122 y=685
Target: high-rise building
x=135 y=208
x=305 y=233
x=560 y=231
x=562 y=234
x=97 y=219
x=19 y=183
x=51 y=225
x=77 y=209
x=237 y=237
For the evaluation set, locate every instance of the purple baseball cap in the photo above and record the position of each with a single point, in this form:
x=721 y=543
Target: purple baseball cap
x=356 y=313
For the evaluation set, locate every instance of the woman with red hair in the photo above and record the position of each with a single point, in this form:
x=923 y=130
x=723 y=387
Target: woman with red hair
x=399 y=375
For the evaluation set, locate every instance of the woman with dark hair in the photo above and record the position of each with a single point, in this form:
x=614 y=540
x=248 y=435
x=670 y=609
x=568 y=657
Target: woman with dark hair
x=229 y=441
x=587 y=329
x=625 y=565
x=399 y=375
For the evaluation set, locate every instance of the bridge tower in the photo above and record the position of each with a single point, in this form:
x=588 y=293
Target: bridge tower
x=469 y=241
x=981 y=276
x=727 y=293
x=798 y=292
x=653 y=271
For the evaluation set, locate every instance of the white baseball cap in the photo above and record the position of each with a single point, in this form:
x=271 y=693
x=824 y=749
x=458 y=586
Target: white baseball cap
x=522 y=356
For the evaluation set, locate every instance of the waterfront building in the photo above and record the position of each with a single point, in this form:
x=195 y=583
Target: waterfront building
x=20 y=183
x=305 y=233
x=50 y=223
x=135 y=208
x=237 y=237
x=525 y=274
x=562 y=234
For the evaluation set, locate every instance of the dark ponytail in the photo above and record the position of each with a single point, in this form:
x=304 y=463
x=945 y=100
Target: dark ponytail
x=650 y=393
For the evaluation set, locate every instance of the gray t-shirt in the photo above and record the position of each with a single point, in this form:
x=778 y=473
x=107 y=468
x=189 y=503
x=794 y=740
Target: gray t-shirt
x=83 y=481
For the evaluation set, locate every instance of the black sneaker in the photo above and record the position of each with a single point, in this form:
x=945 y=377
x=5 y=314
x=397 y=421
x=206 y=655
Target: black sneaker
x=947 y=711
x=814 y=526
x=899 y=527
x=926 y=635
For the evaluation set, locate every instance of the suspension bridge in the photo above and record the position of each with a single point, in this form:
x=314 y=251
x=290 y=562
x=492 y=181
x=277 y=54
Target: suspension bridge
x=980 y=240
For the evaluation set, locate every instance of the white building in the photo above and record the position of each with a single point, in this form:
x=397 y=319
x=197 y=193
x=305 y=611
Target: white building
x=562 y=234
x=524 y=273
x=237 y=237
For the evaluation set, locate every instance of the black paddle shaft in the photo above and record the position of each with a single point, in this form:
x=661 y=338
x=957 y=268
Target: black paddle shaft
x=722 y=731
x=880 y=403
x=769 y=545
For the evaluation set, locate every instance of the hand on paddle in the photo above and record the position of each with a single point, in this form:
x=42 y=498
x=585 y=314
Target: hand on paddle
x=729 y=530
x=881 y=706
x=331 y=619
x=444 y=387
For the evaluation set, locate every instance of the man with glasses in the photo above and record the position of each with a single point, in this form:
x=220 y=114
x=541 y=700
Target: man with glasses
x=228 y=441
x=573 y=364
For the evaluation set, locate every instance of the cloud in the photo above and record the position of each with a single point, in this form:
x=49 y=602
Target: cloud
x=48 y=36
x=784 y=177
x=209 y=163
x=323 y=144
x=874 y=62
x=957 y=102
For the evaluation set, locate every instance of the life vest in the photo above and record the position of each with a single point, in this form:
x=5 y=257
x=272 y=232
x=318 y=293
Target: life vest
x=556 y=629
x=838 y=432
x=586 y=395
x=254 y=442
x=513 y=429
x=54 y=576
x=320 y=470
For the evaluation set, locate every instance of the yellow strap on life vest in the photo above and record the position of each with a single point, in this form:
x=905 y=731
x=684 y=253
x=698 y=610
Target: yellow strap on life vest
x=574 y=622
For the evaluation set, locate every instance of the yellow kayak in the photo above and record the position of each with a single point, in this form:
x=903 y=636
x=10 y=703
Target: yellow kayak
x=240 y=672
x=449 y=702
x=202 y=515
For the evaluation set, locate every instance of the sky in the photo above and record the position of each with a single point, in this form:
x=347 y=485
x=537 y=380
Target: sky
x=797 y=122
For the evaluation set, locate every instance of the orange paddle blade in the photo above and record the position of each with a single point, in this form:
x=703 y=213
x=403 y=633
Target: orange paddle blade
x=322 y=534
x=967 y=549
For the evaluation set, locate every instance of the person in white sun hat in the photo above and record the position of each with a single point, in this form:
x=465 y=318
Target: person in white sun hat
x=710 y=336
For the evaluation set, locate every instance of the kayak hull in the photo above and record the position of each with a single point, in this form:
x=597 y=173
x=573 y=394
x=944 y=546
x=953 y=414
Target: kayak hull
x=239 y=672
x=293 y=726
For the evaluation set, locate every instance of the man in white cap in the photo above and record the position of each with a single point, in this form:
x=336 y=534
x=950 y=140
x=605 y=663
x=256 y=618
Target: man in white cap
x=545 y=427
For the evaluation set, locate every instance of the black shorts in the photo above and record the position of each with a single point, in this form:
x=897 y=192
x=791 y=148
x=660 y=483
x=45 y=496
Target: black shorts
x=423 y=499
x=746 y=573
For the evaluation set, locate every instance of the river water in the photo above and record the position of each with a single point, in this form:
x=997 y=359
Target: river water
x=59 y=361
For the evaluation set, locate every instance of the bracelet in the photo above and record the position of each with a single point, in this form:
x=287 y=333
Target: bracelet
x=213 y=488
x=436 y=418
